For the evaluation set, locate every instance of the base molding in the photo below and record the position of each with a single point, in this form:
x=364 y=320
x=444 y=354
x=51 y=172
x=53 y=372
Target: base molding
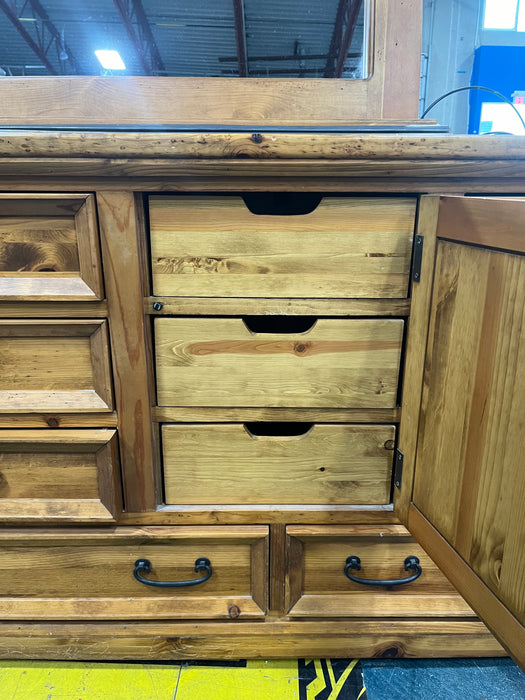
x=278 y=639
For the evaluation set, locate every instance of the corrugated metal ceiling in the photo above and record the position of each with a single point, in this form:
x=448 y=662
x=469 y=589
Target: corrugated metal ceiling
x=283 y=38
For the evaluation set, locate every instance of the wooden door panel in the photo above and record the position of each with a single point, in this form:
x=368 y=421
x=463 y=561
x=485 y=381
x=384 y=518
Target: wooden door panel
x=469 y=483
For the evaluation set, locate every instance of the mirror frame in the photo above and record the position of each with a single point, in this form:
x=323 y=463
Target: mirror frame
x=389 y=94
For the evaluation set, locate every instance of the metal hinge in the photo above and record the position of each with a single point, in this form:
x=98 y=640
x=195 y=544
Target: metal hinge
x=398 y=468
x=418 y=257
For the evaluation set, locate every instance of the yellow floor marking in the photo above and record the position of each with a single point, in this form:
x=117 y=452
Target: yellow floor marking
x=48 y=680
x=260 y=680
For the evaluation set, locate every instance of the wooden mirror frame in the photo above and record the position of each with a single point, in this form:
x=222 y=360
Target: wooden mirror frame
x=390 y=93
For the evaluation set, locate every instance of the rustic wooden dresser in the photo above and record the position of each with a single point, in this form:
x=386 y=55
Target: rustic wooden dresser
x=265 y=365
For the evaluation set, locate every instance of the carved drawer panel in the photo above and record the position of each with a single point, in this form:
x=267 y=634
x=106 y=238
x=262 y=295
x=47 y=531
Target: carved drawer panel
x=209 y=246
x=60 y=366
x=104 y=573
x=316 y=584
x=295 y=463
x=278 y=362
x=59 y=475
x=49 y=248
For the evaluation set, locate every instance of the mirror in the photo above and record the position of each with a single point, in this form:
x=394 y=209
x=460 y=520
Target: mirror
x=206 y=38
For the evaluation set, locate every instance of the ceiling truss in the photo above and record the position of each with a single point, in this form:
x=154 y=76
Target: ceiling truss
x=344 y=28
x=139 y=32
x=44 y=37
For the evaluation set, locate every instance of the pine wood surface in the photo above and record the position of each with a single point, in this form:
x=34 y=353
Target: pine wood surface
x=185 y=414
x=52 y=366
x=414 y=354
x=509 y=630
x=470 y=482
x=466 y=220
x=59 y=474
x=96 y=580
x=220 y=362
x=325 y=464
x=317 y=586
x=165 y=641
x=216 y=247
x=49 y=248
x=118 y=216
x=218 y=306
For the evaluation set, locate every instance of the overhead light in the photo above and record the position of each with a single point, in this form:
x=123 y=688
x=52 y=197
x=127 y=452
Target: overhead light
x=110 y=60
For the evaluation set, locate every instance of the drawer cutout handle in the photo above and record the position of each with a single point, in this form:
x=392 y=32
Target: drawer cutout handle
x=411 y=564
x=278 y=430
x=143 y=566
x=279 y=324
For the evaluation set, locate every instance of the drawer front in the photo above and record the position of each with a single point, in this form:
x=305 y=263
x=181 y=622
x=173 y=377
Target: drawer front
x=49 y=248
x=338 y=363
x=277 y=463
x=58 y=366
x=346 y=247
x=67 y=574
x=59 y=475
x=316 y=584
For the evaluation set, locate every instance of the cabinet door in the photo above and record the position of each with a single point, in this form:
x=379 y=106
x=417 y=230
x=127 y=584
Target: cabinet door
x=468 y=499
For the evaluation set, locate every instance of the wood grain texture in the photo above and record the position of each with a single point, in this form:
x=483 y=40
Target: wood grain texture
x=49 y=248
x=346 y=247
x=219 y=362
x=54 y=366
x=316 y=573
x=58 y=420
x=169 y=641
x=466 y=220
x=325 y=464
x=509 y=631
x=470 y=482
x=203 y=414
x=96 y=573
x=414 y=356
x=123 y=281
x=217 y=306
x=59 y=474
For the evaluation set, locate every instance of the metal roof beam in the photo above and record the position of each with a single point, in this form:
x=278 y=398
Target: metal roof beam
x=47 y=35
x=344 y=28
x=139 y=32
x=240 y=37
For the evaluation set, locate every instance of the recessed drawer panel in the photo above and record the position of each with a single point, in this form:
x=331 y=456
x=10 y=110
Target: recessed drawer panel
x=58 y=366
x=316 y=584
x=104 y=573
x=339 y=363
x=216 y=247
x=59 y=475
x=292 y=463
x=49 y=248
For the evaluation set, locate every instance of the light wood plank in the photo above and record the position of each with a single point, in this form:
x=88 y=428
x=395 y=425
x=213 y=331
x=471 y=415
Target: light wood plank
x=219 y=362
x=203 y=414
x=325 y=464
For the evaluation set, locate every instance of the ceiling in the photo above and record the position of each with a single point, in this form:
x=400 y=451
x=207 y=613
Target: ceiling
x=254 y=38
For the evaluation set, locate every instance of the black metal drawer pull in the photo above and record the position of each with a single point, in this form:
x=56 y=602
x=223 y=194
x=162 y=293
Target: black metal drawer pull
x=143 y=566
x=411 y=564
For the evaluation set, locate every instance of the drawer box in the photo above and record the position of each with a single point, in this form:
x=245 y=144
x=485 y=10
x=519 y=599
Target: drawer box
x=277 y=463
x=337 y=363
x=81 y=574
x=59 y=475
x=316 y=585
x=215 y=247
x=49 y=248
x=58 y=366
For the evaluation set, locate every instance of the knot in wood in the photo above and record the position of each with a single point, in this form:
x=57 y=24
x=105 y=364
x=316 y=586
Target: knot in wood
x=234 y=611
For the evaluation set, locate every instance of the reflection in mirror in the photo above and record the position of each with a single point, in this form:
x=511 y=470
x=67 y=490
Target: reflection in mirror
x=215 y=38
